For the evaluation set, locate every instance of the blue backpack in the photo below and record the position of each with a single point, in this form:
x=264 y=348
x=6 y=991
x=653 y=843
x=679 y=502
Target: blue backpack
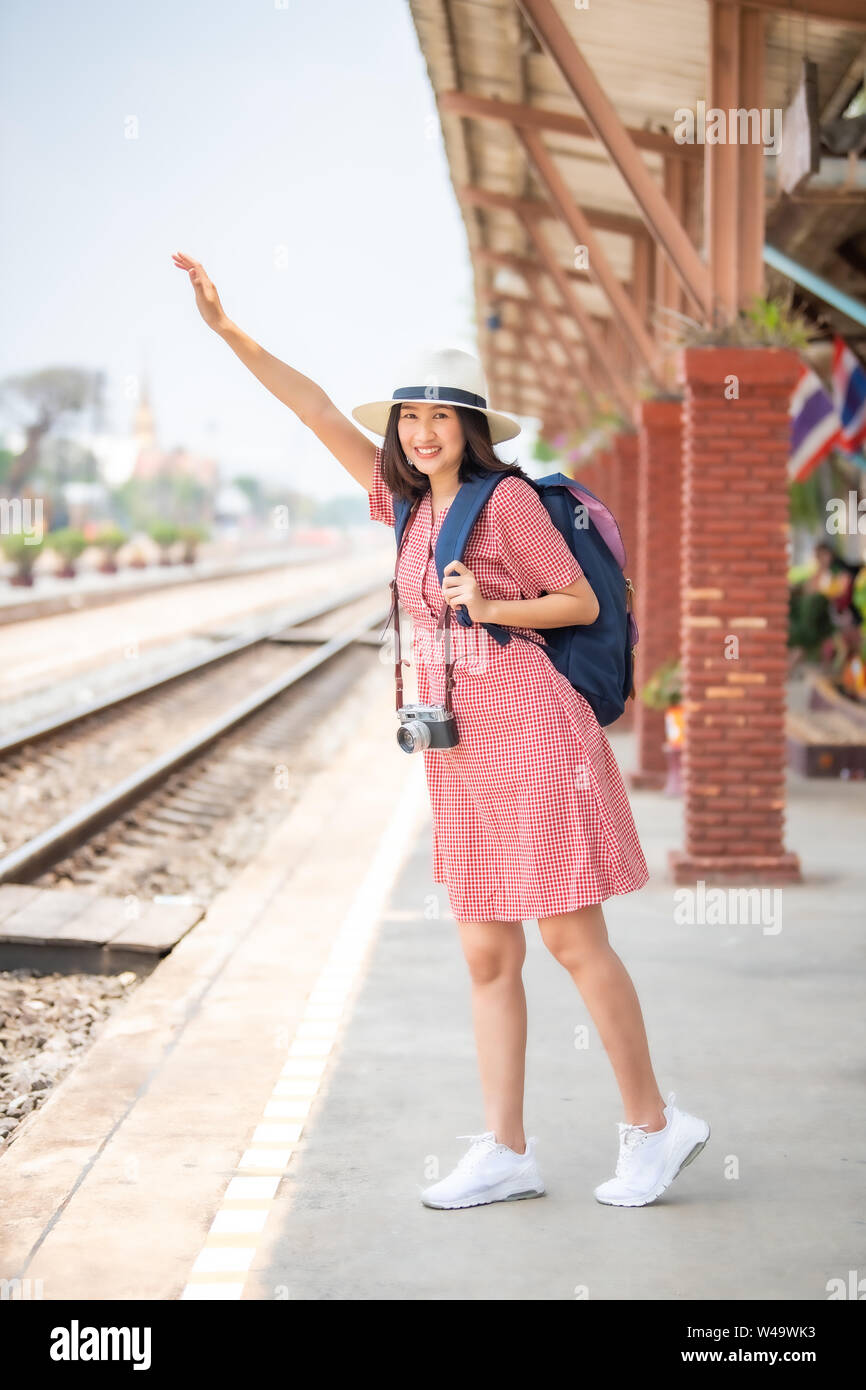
x=597 y=658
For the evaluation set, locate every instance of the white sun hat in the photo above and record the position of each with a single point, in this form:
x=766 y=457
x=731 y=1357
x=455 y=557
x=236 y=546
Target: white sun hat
x=439 y=374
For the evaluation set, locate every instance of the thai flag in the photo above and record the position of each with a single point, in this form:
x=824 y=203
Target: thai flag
x=849 y=395
x=815 y=426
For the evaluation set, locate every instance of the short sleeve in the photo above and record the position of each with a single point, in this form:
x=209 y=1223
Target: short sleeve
x=379 y=496
x=529 y=543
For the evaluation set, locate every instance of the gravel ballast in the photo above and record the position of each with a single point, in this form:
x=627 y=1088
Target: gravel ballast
x=46 y=1021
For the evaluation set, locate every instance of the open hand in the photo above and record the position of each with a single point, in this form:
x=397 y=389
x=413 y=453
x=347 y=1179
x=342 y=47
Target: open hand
x=206 y=297
x=460 y=586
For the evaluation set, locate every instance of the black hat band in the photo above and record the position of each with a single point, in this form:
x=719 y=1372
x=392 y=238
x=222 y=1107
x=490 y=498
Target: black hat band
x=453 y=394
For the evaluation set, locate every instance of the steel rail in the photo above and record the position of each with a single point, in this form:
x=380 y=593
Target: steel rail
x=30 y=733
x=43 y=850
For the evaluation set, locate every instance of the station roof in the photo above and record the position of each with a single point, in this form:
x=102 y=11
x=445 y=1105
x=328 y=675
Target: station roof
x=651 y=60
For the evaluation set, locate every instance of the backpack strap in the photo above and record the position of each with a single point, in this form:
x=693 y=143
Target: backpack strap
x=450 y=545
x=453 y=538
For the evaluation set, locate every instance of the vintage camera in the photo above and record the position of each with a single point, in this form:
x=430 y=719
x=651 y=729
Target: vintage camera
x=426 y=726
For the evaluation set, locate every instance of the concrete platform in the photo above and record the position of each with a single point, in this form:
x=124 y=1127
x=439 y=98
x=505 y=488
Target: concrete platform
x=759 y=1030
x=257 y=1122
x=77 y=929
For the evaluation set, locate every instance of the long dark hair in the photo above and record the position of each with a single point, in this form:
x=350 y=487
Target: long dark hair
x=407 y=481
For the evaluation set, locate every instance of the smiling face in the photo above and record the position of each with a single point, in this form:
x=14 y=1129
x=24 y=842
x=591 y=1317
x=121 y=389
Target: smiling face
x=432 y=437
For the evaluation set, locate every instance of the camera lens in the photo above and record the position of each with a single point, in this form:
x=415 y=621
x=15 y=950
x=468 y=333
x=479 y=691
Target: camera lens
x=413 y=735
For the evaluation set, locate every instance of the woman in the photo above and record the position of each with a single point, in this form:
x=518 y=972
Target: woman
x=531 y=819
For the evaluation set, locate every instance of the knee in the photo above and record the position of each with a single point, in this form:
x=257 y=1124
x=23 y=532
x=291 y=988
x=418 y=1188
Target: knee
x=498 y=956
x=487 y=967
x=570 y=953
x=575 y=943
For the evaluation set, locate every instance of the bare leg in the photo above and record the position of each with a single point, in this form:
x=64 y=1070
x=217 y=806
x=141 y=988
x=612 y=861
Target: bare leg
x=495 y=952
x=579 y=941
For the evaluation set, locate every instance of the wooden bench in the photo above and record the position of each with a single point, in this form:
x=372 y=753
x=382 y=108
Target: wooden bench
x=826 y=743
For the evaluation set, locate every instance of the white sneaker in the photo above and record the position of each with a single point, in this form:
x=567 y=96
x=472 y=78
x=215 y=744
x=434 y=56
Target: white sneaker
x=489 y=1172
x=648 y=1163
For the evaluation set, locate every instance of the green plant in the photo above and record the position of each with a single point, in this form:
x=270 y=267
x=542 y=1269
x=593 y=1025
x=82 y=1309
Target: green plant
x=544 y=452
x=191 y=536
x=67 y=541
x=806 y=503
x=164 y=533
x=664 y=687
x=110 y=537
x=798 y=573
x=23 y=554
x=765 y=323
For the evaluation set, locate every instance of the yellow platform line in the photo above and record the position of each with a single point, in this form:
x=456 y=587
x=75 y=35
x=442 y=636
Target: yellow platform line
x=222 y=1265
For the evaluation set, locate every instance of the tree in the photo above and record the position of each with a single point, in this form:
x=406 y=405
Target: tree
x=42 y=399
x=252 y=488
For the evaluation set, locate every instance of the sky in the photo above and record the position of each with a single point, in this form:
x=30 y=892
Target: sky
x=293 y=147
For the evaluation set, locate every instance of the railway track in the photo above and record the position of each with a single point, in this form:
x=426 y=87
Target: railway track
x=168 y=785
x=225 y=763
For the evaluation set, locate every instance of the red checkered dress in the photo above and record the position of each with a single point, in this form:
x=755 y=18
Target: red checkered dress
x=530 y=815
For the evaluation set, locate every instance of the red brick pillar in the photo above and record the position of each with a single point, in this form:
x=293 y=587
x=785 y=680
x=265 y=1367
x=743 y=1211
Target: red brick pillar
x=608 y=479
x=625 y=449
x=734 y=614
x=623 y=503
x=657 y=585
x=589 y=474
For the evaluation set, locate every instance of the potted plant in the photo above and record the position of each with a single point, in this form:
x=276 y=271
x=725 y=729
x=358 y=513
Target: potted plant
x=766 y=323
x=138 y=554
x=164 y=534
x=663 y=691
x=191 y=536
x=23 y=554
x=67 y=542
x=109 y=538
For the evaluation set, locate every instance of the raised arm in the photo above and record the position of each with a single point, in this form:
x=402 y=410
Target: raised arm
x=309 y=402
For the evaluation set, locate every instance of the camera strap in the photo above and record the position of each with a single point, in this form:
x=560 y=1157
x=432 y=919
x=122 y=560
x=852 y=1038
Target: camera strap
x=443 y=624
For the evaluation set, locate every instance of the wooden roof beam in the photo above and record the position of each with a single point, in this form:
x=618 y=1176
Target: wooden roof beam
x=537 y=388
x=521 y=301
x=851 y=13
x=734 y=172
x=578 y=366
x=538 y=118
x=514 y=328
x=599 y=218
x=557 y=393
x=600 y=269
x=589 y=334
x=539 y=344
x=523 y=265
x=623 y=149
x=512 y=396
x=593 y=341
x=571 y=347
